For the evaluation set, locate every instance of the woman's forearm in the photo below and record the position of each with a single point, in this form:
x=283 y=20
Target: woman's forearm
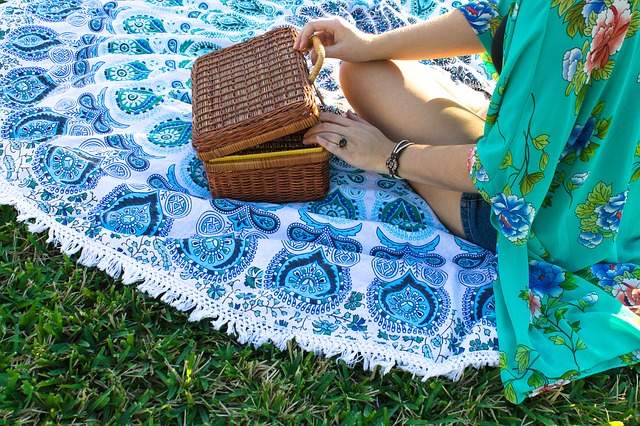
x=444 y=166
x=443 y=36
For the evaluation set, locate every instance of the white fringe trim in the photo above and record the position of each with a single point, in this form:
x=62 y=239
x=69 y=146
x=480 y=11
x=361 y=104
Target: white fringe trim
x=174 y=292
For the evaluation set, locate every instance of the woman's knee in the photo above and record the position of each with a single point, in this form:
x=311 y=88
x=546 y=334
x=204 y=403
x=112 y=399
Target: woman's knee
x=356 y=77
x=349 y=70
x=348 y=80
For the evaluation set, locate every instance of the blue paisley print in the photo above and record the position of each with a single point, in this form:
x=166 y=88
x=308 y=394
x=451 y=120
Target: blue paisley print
x=131 y=71
x=315 y=231
x=214 y=259
x=171 y=133
x=143 y=24
x=308 y=281
x=54 y=11
x=31 y=43
x=137 y=101
x=479 y=305
x=132 y=213
x=245 y=216
x=36 y=124
x=336 y=204
x=407 y=305
x=73 y=169
x=23 y=87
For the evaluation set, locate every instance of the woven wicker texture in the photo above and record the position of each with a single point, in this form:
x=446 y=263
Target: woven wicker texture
x=252 y=103
x=250 y=93
x=290 y=142
x=293 y=177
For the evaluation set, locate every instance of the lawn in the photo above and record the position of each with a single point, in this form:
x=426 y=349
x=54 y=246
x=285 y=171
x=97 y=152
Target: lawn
x=78 y=347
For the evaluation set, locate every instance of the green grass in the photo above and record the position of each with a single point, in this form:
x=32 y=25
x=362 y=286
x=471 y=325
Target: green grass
x=78 y=347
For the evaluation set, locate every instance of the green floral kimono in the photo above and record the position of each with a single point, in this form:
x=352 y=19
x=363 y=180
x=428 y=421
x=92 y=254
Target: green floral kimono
x=560 y=163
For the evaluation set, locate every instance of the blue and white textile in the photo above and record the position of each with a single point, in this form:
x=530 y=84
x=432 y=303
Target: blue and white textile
x=95 y=147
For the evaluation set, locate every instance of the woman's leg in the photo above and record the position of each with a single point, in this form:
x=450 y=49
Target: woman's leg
x=406 y=100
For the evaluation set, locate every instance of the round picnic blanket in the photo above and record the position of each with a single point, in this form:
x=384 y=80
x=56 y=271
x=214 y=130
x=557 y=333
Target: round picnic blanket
x=95 y=147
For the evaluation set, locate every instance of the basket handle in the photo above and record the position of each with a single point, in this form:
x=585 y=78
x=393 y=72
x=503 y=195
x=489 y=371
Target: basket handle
x=319 y=48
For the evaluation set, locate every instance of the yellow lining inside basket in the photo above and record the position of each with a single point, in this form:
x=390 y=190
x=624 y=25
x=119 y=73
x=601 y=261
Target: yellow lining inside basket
x=265 y=155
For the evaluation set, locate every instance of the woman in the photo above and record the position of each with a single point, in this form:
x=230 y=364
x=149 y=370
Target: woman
x=547 y=173
x=441 y=118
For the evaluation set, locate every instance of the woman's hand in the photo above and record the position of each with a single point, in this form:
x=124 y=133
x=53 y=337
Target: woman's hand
x=341 y=40
x=367 y=147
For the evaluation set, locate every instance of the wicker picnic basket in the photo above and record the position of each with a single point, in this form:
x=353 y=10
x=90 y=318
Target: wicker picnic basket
x=252 y=103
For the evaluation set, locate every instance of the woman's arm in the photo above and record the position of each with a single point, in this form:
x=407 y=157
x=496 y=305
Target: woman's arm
x=368 y=148
x=443 y=36
x=443 y=166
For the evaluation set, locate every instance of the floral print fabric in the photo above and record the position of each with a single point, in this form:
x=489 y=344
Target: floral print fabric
x=559 y=162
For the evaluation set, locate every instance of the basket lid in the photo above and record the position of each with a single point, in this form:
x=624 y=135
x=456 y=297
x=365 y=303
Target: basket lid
x=249 y=93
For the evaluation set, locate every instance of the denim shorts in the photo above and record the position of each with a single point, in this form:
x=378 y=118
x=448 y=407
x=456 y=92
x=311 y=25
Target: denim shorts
x=475 y=213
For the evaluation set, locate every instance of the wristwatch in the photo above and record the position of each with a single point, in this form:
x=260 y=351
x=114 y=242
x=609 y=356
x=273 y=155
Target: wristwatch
x=392 y=161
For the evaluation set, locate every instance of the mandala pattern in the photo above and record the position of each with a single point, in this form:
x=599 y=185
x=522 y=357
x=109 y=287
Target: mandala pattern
x=177 y=205
x=34 y=124
x=213 y=259
x=132 y=213
x=407 y=305
x=210 y=223
x=170 y=134
x=68 y=170
x=31 y=43
x=479 y=306
x=137 y=101
x=96 y=132
x=325 y=234
x=309 y=282
x=23 y=87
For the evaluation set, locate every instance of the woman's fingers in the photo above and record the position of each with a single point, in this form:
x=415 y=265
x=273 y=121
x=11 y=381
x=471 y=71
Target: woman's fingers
x=326 y=38
x=332 y=147
x=330 y=129
x=330 y=117
x=356 y=117
x=302 y=40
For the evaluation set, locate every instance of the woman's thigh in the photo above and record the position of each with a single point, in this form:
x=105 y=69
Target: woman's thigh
x=407 y=100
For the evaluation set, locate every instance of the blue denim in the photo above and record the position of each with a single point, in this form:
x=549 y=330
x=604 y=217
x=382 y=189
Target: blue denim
x=475 y=213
